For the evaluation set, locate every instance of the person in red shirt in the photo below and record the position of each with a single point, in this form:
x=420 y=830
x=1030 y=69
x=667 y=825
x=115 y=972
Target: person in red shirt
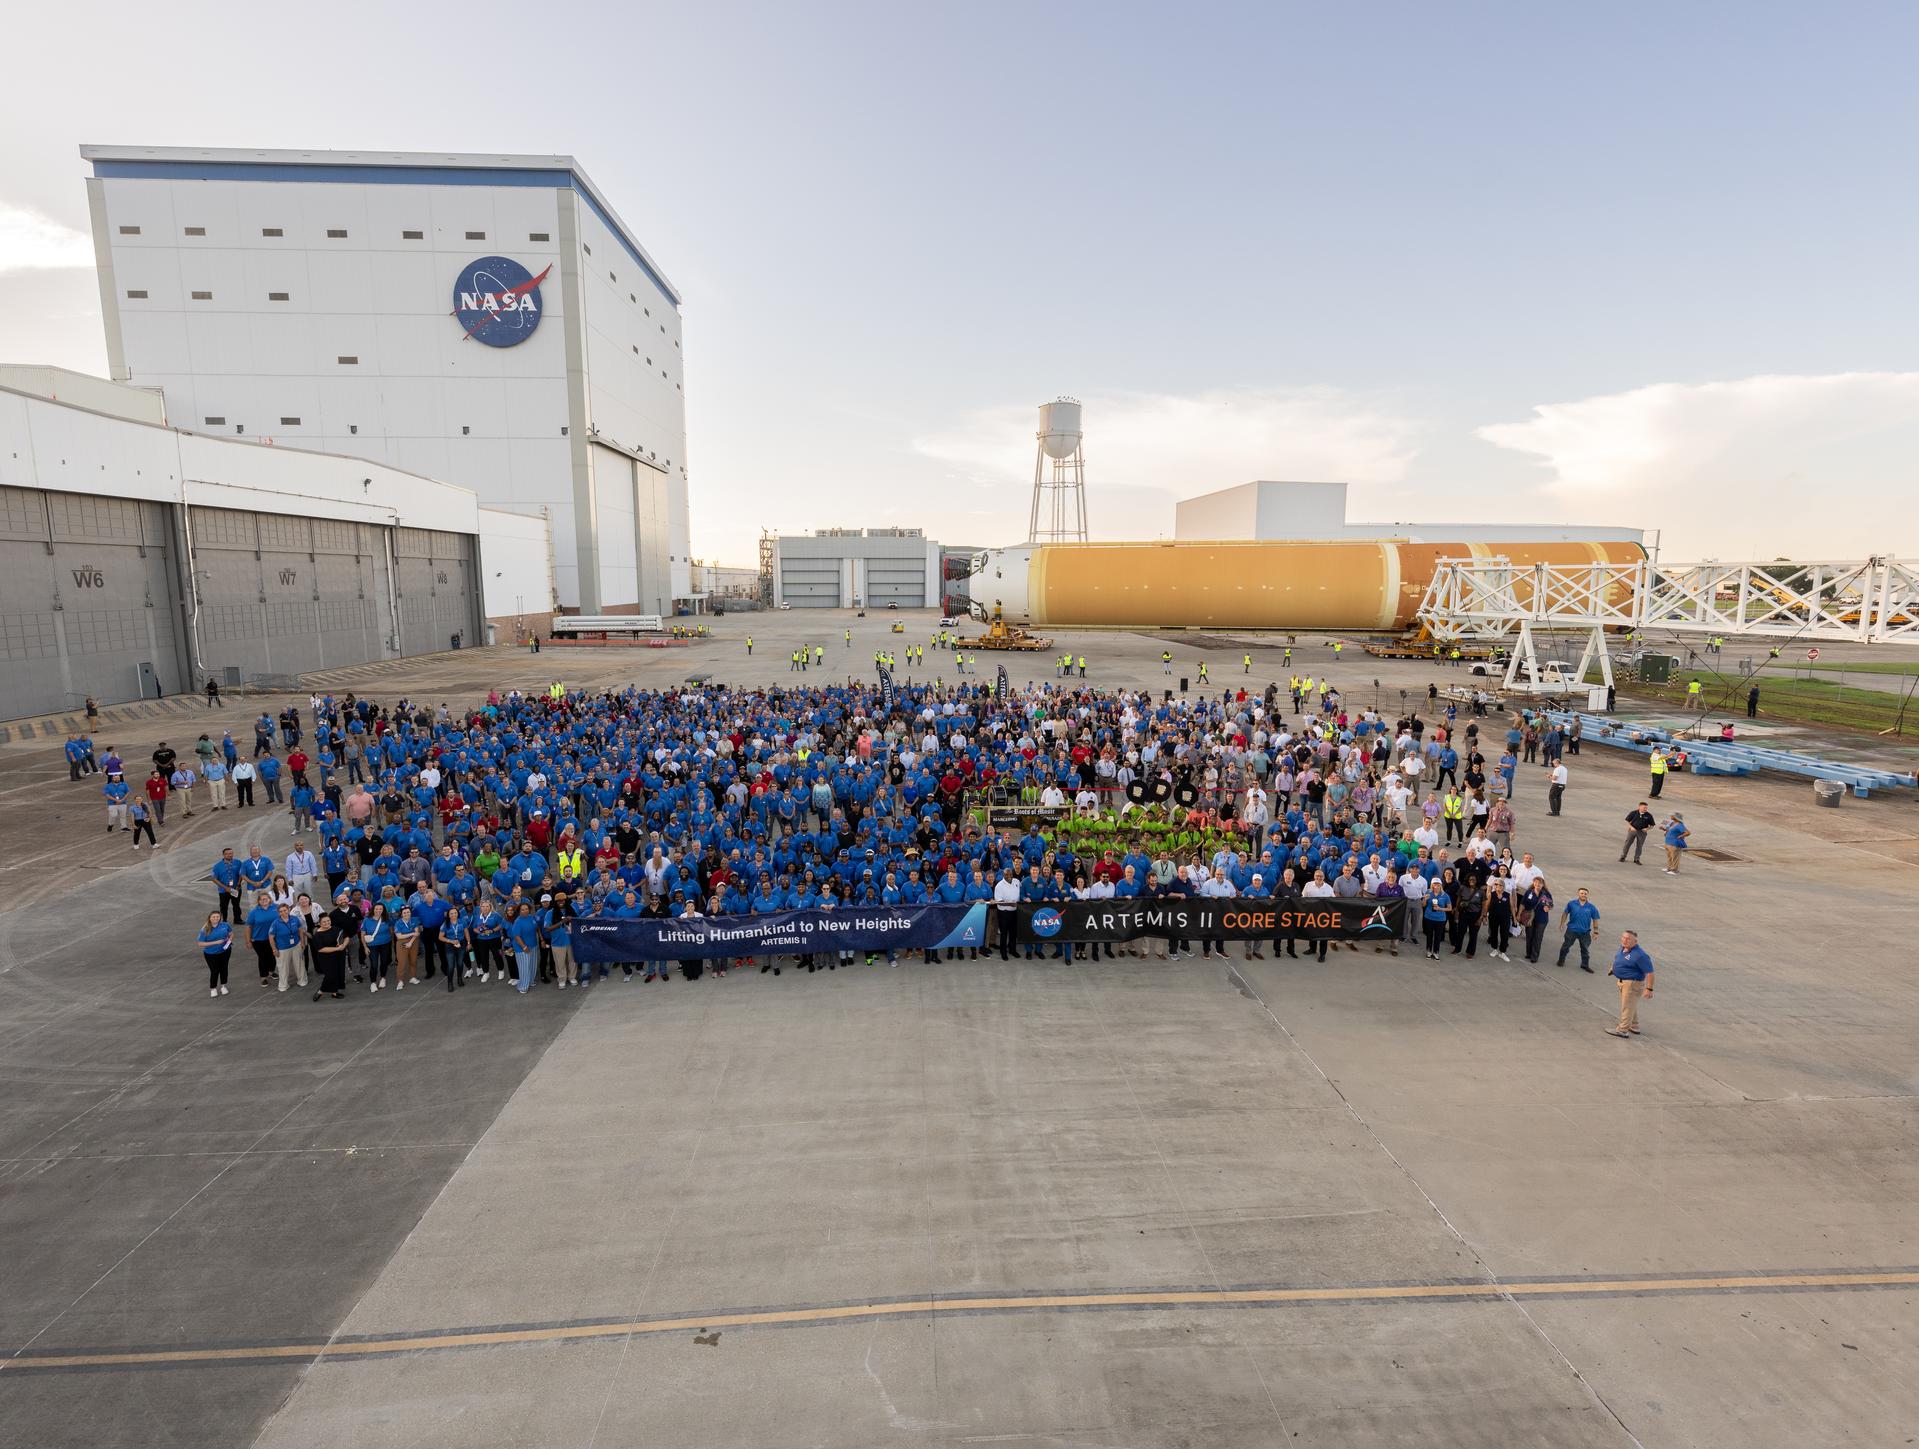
x=297 y=763
x=539 y=830
x=156 y=788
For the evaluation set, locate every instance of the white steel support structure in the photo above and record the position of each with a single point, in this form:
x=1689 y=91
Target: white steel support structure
x=1861 y=601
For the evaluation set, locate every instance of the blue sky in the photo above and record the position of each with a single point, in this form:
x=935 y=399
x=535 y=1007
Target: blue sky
x=1638 y=264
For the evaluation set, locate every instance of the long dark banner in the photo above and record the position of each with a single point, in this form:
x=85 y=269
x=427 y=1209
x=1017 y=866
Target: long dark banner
x=779 y=933
x=1336 y=918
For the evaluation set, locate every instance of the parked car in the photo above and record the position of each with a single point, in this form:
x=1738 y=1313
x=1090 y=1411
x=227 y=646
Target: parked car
x=892 y=606
x=948 y=621
x=782 y=604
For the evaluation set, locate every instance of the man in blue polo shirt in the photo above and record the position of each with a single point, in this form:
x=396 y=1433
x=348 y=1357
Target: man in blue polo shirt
x=1580 y=915
x=1632 y=968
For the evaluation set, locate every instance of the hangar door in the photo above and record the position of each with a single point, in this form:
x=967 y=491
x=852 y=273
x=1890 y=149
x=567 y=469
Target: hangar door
x=439 y=589
x=899 y=581
x=810 y=583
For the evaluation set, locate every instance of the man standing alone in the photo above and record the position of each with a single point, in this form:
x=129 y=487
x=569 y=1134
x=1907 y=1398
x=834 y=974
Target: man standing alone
x=1638 y=821
x=1632 y=969
x=1558 y=790
x=1580 y=915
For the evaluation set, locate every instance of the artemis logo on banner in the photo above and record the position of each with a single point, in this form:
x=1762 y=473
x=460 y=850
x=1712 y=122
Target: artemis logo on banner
x=886 y=689
x=1001 y=688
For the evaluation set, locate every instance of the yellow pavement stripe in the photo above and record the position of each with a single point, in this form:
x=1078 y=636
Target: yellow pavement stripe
x=1173 y=1298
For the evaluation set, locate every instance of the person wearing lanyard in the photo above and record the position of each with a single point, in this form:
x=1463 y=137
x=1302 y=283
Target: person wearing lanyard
x=216 y=944
x=453 y=944
x=487 y=932
x=524 y=933
x=406 y=949
x=288 y=934
x=1438 y=909
x=1632 y=969
x=376 y=934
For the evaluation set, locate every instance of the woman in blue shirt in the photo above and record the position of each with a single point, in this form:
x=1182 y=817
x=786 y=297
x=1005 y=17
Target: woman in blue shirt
x=259 y=926
x=453 y=943
x=487 y=932
x=376 y=932
x=559 y=939
x=1439 y=908
x=216 y=944
x=406 y=949
x=524 y=933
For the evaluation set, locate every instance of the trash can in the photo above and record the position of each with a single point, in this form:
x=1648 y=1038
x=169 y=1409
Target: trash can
x=1828 y=793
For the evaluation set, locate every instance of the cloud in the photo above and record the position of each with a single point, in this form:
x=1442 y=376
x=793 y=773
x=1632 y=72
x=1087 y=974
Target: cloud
x=1145 y=450
x=1786 y=464
x=30 y=241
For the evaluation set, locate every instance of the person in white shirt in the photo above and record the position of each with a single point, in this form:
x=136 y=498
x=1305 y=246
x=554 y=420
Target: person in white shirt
x=1216 y=887
x=1426 y=836
x=1005 y=911
x=301 y=869
x=1318 y=889
x=1557 y=791
x=1086 y=802
x=1052 y=795
x=1414 y=885
x=1525 y=873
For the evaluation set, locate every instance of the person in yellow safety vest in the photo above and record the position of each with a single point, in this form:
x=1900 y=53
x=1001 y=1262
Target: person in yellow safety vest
x=1453 y=807
x=1339 y=646
x=959 y=662
x=1082 y=666
x=556 y=690
x=1246 y=660
x=1658 y=764
x=749 y=644
x=1202 y=671
x=1165 y=661
x=1693 y=699
x=819 y=653
x=972 y=661
x=570 y=862
x=849 y=642
x=1306 y=685
x=1289 y=657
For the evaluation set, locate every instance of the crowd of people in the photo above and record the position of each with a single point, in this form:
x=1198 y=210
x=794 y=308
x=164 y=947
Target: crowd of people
x=434 y=846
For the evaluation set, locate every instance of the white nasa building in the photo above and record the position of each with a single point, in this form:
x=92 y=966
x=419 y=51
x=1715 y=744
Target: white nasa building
x=488 y=321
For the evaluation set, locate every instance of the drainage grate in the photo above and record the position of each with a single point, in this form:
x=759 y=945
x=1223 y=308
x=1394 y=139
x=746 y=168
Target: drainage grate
x=1720 y=855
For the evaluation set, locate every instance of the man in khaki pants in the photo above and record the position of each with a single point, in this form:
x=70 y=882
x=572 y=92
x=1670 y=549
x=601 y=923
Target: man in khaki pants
x=1632 y=968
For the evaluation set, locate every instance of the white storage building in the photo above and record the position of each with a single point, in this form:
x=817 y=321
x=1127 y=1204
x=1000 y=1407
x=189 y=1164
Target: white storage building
x=487 y=320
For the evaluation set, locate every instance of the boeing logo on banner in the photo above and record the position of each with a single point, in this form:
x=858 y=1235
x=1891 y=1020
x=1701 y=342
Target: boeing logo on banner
x=498 y=301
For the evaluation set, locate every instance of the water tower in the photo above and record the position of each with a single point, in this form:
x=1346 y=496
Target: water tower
x=1059 y=476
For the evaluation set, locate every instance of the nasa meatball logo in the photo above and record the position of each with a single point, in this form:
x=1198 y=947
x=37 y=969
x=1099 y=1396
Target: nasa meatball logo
x=497 y=301
x=1046 y=922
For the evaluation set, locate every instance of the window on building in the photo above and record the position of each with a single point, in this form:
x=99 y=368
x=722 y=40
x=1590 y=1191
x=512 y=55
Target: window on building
x=353 y=428
x=129 y=231
x=289 y=422
x=203 y=296
x=538 y=236
x=631 y=298
x=337 y=232
x=612 y=276
x=196 y=231
x=636 y=350
x=583 y=246
x=140 y=295
x=215 y=422
x=276 y=296
x=348 y=361
x=476 y=236
x=271 y=231
x=412 y=236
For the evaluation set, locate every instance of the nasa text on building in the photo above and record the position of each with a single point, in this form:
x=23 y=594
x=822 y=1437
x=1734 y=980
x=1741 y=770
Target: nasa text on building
x=486 y=320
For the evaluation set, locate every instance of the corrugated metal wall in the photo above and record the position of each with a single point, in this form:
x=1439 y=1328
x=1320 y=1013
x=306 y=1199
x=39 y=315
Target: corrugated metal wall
x=90 y=593
x=86 y=597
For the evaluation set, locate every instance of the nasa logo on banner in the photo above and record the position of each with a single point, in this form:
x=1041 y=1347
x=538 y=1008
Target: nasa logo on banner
x=497 y=301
